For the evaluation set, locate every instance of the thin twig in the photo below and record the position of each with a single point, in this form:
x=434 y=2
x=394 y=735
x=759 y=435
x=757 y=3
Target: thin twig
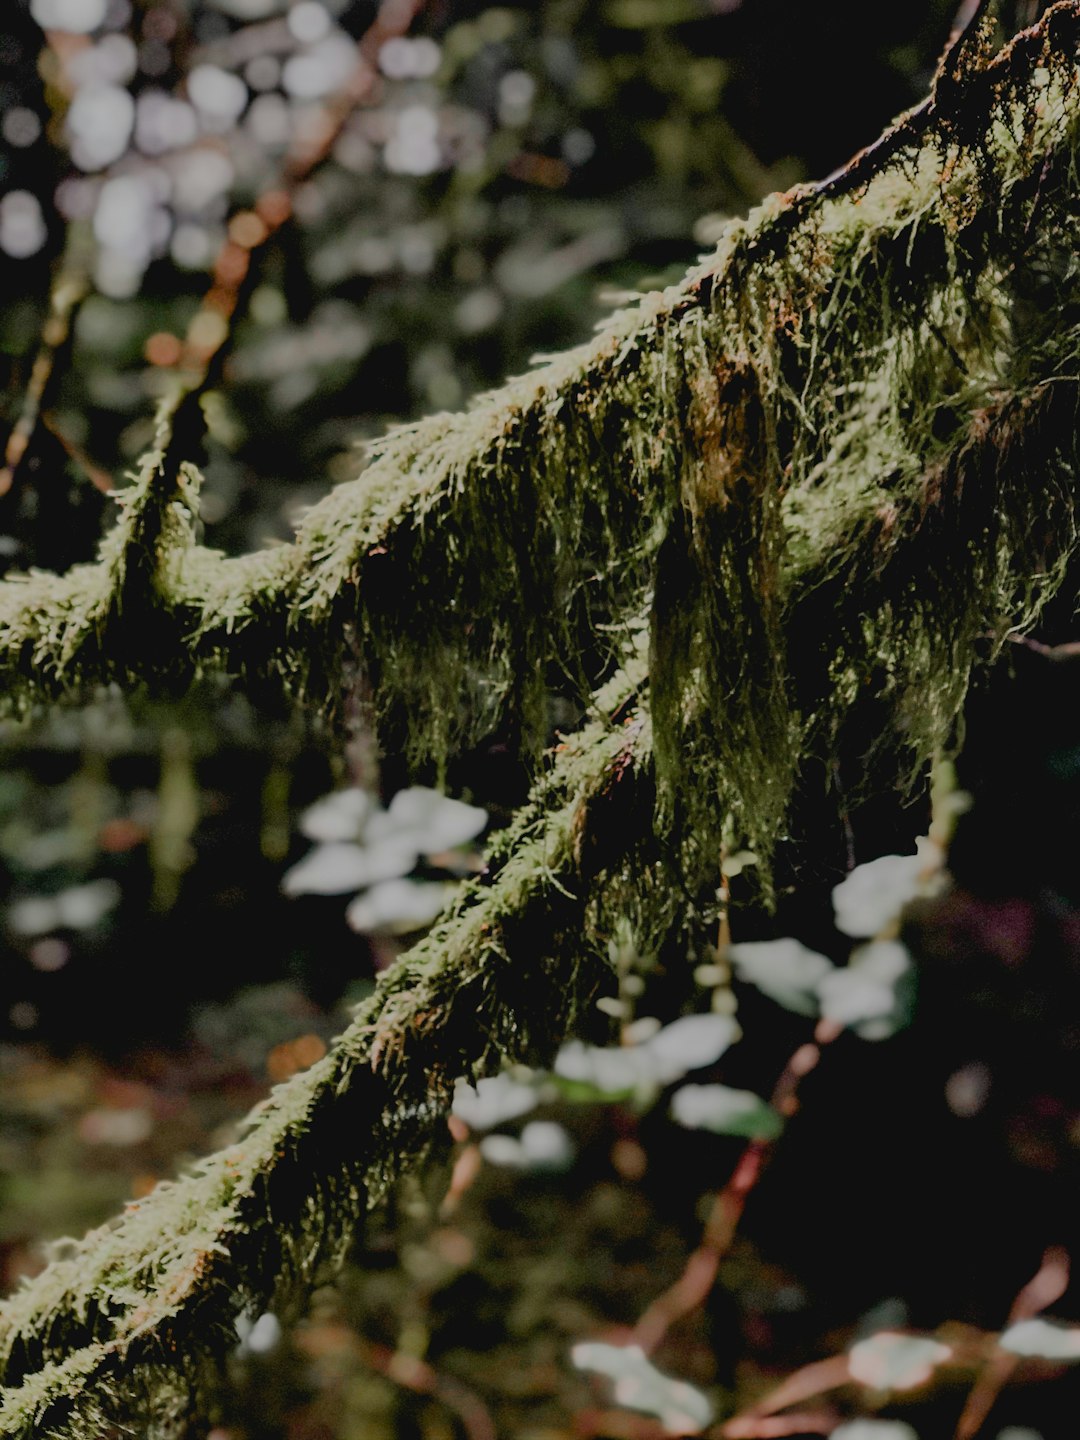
x=212 y=330
x=806 y=1383
x=1069 y=650
x=99 y=478
x=699 y=1274
x=423 y=1379
x=771 y=1427
x=1046 y=1286
x=68 y=292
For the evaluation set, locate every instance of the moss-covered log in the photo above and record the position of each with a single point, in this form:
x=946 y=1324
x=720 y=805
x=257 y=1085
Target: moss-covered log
x=834 y=463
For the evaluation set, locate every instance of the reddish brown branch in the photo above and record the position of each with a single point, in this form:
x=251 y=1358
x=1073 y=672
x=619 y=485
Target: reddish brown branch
x=1068 y=650
x=1046 y=1286
x=212 y=331
x=99 y=478
x=699 y=1274
x=250 y=232
x=970 y=1348
x=423 y=1379
x=804 y=1384
x=68 y=292
x=772 y=1427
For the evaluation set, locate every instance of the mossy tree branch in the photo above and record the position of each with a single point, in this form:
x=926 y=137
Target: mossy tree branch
x=826 y=465
x=133 y=1320
x=860 y=327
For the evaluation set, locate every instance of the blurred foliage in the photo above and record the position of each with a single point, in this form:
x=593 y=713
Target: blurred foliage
x=512 y=170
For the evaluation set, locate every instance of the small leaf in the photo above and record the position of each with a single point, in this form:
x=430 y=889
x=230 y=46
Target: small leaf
x=338 y=867
x=430 y=821
x=617 y=1072
x=543 y=1146
x=339 y=816
x=258 y=1337
x=725 y=1112
x=33 y=915
x=639 y=1386
x=1042 y=1339
x=890 y=1361
x=82 y=906
x=872 y=896
x=690 y=1043
x=79 y=907
x=871 y=992
x=784 y=970
x=495 y=1099
x=397 y=907
x=611 y=1072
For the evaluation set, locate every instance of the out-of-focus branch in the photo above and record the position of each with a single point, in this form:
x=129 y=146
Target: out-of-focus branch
x=424 y=1379
x=68 y=292
x=692 y=1287
x=969 y=1350
x=1046 y=1286
x=211 y=333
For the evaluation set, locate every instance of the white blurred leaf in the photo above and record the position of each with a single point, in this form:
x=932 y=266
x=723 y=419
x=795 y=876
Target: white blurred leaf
x=868 y=993
x=690 y=1043
x=82 y=906
x=890 y=1361
x=77 y=16
x=116 y=1127
x=1042 y=1338
x=613 y=1072
x=429 y=820
x=258 y=1337
x=872 y=896
x=79 y=907
x=337 y=867
x=494 y=1099
x=339 y=816
x=503 y=1151
x=609 y=1072
x=543 y=1146
x=639 y=1386
x=33 y=915
x=725 y=1111
x=546 y=1146
x=784 y=970
x=398 y=906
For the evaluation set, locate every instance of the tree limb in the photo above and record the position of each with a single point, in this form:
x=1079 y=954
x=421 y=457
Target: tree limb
x=132 y=1321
